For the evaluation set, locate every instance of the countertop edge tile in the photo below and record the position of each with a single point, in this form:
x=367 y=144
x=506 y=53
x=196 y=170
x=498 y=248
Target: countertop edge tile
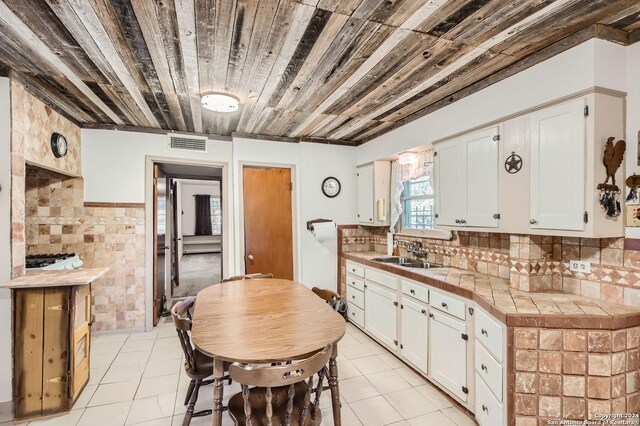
x=438 y=278
x=56 y=278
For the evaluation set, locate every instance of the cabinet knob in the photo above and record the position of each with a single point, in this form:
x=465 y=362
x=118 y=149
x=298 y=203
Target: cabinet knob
x=424 y=312
x=485 y=332
x=412 y=291
x=430 y=315
x=462 y=221
x=353 y=296
x=484 y=368
x=485 y=409
x=533 y=221
x=457 y=220
x=444 y=305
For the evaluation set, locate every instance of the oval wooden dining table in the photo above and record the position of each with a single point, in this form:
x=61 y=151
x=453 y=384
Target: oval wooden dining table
x=264 y=321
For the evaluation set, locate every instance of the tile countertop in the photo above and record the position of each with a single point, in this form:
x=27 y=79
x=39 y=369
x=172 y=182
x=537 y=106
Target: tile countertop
x=61 y=278
x=514 y=307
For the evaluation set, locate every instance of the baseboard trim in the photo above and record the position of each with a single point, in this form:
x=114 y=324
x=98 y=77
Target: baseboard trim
x=118 y=331
x=6 y=411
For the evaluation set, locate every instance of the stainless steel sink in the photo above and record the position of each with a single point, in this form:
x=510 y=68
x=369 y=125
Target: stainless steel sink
x=407 y=262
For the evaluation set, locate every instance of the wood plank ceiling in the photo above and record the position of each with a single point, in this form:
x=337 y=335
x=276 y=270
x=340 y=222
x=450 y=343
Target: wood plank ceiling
x=339 y=71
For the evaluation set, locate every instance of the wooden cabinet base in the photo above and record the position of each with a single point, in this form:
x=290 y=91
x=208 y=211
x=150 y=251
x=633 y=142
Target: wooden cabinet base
x=51 y=337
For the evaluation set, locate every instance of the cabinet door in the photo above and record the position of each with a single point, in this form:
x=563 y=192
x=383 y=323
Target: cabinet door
x=415 y=334
x=81 y=329
x=380 y=314
x=481 y=189
x=448 y=354
x=450 y=179
x=365 y=193
x=557 y=167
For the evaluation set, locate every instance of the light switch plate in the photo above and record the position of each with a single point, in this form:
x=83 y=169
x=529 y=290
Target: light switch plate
x=580 y=266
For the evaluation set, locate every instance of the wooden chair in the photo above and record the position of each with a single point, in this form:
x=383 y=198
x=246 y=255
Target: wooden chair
x=331 y=297
x=282 y=393
x=198 y=366
x=247 y=277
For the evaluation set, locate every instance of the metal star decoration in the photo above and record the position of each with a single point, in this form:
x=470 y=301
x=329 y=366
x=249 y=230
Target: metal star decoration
x=513 y=163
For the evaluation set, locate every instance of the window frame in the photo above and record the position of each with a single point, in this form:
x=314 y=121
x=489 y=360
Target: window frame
x=214 y=225
x=434 y=233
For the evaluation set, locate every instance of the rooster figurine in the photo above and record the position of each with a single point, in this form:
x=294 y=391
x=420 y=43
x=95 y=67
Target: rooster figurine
x=613 y=156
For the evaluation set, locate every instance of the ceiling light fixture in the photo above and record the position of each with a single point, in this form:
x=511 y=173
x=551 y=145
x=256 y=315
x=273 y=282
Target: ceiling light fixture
x=408 y=158
x=220 y=102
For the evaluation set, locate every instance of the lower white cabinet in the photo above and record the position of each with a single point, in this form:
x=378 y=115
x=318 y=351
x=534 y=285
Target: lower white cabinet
x=415 y=334
x=448 y=353
x=380 y=315
x=489 y=412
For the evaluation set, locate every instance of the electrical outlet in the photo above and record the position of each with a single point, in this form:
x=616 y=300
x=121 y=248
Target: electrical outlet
x=580 y=266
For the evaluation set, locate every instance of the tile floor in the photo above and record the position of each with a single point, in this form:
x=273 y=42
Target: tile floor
x=139 y=379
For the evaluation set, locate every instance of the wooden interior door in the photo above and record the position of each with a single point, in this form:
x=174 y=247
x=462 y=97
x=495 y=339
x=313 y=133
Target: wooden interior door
x=268 y=221
x=80 y=344
x=160 y=244
x=175 y=237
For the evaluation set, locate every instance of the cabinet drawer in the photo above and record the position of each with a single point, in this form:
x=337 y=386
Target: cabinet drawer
x=356 y=315
x=416 y=290
x=356 y=283
x=489 y=333
x=489 y=411
x=447 y=304
x=356 y=297
x=490 y=371
x=355 y=269
x=381 y=278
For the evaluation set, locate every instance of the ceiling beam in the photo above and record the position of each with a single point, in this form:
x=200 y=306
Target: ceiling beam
x=634 y=36
x=90 y=19
x=30 y=39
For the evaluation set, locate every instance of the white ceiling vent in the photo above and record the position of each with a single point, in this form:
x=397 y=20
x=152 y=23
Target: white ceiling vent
x=188 y=143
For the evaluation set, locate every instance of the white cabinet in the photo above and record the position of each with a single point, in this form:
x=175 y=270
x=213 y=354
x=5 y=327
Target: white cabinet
x=448 y=353
x=414 y=334
x=374 y=193
x=449 y=183
x=380 y=315
x=481 y=160
x=467 y=180
x=558 y=167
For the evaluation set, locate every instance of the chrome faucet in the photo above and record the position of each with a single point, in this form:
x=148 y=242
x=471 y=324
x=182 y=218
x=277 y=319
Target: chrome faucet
x=414 y=247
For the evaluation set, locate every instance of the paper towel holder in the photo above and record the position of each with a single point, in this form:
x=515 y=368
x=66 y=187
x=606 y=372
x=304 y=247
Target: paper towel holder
x=311 y=222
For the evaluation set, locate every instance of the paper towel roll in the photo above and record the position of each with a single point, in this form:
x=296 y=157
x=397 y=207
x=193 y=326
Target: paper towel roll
x=324 y=230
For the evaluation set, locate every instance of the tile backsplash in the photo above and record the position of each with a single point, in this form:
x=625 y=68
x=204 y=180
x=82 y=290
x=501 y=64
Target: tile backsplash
x=529 y=262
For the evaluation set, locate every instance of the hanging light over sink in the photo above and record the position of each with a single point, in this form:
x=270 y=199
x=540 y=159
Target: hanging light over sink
x=219 y=102
x=407 y=157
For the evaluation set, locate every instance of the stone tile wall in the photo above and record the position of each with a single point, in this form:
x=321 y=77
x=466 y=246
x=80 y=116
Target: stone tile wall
x=32 y=123
x=113 y=236
x=573 y=374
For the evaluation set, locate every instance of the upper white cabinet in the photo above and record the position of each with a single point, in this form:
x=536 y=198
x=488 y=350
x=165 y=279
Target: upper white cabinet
x=554 y=191
x=374 y=193
x=557 y=167
x=467 y=180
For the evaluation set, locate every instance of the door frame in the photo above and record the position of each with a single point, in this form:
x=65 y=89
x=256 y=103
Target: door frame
x=227 y=223
x=240 y=247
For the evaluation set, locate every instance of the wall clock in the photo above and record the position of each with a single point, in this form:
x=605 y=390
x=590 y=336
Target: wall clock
x=59 y=145
x=331 y=187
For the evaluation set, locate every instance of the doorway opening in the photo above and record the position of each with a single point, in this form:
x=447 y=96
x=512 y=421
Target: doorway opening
x=188 y=231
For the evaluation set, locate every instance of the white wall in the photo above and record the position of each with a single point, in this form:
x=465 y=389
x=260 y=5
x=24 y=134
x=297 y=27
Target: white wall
x=633 y=116
x=562 y=75
x=5 y=240
x=116 y=162
x=189 y=188
x=319 y=263
x=114 y=171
